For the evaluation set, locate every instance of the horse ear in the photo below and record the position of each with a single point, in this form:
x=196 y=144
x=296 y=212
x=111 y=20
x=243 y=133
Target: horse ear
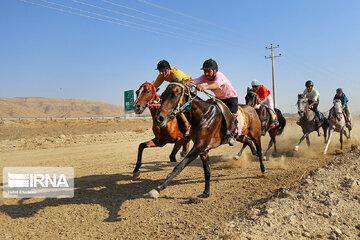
x=248 y=89
x=137 y=92
x=300 y=96
x=157 y=89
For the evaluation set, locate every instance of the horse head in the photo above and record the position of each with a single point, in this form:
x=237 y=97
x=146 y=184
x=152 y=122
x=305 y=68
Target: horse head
x=302 y=104
x=146 y=96
x=251 y=98
x=338 y=111
x=172 y=99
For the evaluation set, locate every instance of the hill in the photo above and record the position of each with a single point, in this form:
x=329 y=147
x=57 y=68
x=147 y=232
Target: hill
x=56 y=107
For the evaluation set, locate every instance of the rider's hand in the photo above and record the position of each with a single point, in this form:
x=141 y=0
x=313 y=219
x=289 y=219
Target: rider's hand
x=201 y=88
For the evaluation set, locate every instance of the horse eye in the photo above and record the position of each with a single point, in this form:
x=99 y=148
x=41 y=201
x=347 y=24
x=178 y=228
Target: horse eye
x=147 y=91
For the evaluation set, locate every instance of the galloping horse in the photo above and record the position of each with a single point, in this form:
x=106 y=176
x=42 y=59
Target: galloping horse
x=208 y=129
x=307 y=121
x=337 y=124
x=265 y=119
x=174 y=132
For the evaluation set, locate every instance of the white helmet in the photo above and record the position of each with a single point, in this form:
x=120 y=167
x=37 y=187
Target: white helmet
x=255 y=83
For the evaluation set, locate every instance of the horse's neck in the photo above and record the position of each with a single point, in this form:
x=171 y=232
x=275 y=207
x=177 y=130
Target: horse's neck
x=153 y=111
x=198 y=110
x=310 y=114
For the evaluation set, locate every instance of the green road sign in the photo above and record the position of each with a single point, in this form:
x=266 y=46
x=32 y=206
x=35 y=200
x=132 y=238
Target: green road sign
x=129 y=101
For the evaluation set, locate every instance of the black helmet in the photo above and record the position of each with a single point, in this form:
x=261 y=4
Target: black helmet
x=163 y=64
x=309 y=83
x=210 y=64
x=339 y=90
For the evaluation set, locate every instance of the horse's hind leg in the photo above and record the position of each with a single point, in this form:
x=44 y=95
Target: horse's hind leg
x=247 y=142
x=257 y=143
x=308 y=141
x=206 y=165
x=152 y=143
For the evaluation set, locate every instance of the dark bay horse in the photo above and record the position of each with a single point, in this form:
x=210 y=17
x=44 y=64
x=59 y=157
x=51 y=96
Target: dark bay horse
x=173 y=132
x=208 y=129
x=307 y=121
x=252 y=100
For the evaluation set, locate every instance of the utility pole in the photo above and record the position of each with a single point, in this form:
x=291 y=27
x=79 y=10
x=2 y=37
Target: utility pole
x=273 y=70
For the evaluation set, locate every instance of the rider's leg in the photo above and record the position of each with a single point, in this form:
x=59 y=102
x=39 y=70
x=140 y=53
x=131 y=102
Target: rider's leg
x=232 y=104
x=269 y=103
x=186 y=123
x=347 y=115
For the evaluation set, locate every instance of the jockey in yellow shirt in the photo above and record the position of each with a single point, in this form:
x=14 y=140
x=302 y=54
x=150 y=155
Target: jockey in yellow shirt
x=167 y=73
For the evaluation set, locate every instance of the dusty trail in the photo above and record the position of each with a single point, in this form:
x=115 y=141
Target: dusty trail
x=109 y=204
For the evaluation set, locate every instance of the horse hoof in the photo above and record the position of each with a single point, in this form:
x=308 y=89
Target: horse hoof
x=204 y=195
x=154 y=194
x=264 y=158
x=324 y=152
x=296 y=148
x=183 y=154
x=236 y=157
x=136 y=175
x=172 y=160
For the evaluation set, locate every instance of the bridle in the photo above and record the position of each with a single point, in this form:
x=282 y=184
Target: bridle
x=185 y=91
x=154 y=101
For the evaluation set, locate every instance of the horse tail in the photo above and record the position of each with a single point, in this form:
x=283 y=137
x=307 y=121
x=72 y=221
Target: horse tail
x=282 y=121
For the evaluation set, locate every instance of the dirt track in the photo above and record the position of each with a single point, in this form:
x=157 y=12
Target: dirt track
x=109 y=204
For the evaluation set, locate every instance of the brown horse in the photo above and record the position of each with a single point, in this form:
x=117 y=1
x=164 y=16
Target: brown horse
x=208 y=129
x=173 y=132
x=265 y=119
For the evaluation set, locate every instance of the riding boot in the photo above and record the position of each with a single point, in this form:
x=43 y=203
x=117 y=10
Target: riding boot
x=275 y=122
x=231 y=136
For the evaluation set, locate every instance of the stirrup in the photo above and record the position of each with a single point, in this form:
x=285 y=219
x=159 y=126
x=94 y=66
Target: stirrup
x=274 y=124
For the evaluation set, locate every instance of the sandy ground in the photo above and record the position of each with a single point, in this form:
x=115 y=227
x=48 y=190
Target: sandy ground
x=110 y=204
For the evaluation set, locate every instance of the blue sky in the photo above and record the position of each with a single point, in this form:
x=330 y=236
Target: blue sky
x=51 y=53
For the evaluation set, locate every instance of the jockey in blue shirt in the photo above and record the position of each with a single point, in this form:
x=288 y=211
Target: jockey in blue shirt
x=344 y=101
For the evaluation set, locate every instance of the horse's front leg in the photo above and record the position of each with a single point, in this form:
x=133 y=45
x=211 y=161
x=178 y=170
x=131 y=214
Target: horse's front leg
x=191 y=156
x=176 y=148
x=152 y=143
x=301 y=139
x=185 y=147
x=328 y=141
x=206 y=165
x=272 y=141
x=341 y=139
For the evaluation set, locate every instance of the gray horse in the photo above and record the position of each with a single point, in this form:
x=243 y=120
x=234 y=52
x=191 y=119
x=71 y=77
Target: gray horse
x=307 y=121
x=337 y=124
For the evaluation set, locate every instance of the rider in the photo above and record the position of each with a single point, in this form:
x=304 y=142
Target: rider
x=220 y=85
x=167 y=73
x=265 y=98
x=313 y=98
x=344 y=101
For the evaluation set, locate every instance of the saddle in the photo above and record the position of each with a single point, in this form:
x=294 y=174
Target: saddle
x=228 y=115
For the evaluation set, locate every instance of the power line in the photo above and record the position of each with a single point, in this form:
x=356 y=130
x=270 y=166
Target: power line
x=146 y=20
x=126 y=23
x=201 y=20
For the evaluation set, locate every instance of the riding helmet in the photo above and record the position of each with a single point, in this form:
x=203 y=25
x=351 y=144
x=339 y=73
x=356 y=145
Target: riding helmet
x=209 y=64
x=255 y=83
x=339 y=90
x=309 y=83
x=163 y=64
